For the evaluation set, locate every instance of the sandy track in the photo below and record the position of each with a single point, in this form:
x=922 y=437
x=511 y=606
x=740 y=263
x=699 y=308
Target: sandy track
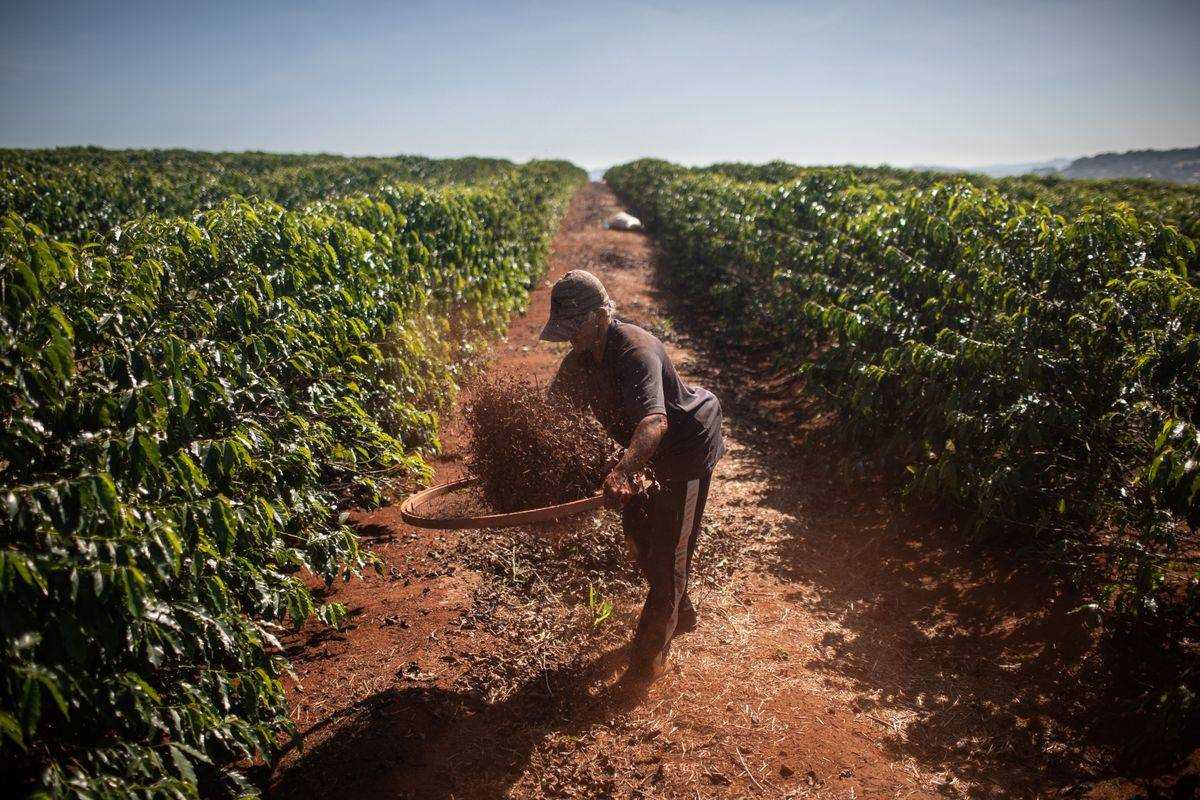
x=852 y=650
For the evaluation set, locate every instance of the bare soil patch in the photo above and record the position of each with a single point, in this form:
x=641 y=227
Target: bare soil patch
x=849 y=647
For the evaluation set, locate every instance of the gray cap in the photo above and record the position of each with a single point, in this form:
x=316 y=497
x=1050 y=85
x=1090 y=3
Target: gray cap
x=573 y=297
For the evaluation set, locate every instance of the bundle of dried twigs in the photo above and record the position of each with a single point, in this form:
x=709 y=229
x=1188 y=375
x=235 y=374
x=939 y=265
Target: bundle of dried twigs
x=529 y=451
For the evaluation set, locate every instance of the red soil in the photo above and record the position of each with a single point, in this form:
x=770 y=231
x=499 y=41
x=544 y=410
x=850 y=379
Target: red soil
x=852 y=649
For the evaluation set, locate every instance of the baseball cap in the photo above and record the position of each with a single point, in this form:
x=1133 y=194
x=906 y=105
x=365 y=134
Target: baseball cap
x=573 y=297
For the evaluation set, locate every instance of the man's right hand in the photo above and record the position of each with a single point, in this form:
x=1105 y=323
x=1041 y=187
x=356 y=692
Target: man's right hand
x=618 y=489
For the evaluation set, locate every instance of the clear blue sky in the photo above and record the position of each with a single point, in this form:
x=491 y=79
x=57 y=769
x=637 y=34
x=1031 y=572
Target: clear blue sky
x=962 y=82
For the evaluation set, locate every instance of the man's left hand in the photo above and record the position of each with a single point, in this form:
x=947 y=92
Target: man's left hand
x=618 y=489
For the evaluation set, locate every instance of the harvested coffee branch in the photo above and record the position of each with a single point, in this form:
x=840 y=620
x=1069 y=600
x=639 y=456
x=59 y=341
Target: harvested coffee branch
x=527 y=450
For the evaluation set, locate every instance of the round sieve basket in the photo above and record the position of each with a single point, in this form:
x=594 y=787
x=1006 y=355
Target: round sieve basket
x=414 y=510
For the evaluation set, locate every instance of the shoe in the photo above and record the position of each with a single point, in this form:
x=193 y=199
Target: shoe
x=645 y=672
x=642 y=675
x=687 y=622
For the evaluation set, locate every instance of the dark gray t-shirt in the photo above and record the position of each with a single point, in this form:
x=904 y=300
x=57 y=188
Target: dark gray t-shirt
x=634 y=379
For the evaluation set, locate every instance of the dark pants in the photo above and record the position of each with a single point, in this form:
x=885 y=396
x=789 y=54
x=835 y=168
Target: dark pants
x=663 y=527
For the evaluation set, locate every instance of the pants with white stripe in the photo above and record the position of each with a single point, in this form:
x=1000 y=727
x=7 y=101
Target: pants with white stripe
x=663 y=527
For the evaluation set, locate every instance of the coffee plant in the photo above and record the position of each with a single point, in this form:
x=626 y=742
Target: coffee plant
x=187 y=405
x=1159 y=202
x=1037 y=373
x=77 y=193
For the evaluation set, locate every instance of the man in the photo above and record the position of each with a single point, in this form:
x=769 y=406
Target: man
x=624 y=375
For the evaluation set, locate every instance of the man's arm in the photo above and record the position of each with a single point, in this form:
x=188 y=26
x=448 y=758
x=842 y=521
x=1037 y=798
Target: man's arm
x=639 y=381
x=618 y=486
x=645 y=440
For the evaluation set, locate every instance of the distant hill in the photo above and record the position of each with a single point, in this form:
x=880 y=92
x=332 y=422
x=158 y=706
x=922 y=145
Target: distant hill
x=1181 y=165
x=1034 y=168
x=1051 y=167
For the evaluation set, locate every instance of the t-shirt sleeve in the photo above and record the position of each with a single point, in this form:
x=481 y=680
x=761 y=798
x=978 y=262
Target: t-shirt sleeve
x=639 y=377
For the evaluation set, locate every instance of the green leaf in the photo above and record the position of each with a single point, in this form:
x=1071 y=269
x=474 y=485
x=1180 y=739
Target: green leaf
x=182 y=764
x=224 y=524
x=140 y=683
x=31 y=705
x=106 y=493
x=51 y=685
x=11 y=728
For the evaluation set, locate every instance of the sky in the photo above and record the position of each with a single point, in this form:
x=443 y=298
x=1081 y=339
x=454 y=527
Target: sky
x=959 y=83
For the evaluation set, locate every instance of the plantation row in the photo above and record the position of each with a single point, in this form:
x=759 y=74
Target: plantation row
x=1038 y=373
x=78 y=193
x=185 y=409
x=1152 y=201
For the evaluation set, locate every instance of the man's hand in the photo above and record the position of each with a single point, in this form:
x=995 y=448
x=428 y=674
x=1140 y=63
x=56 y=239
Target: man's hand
x=618 y=489
x=618 y=486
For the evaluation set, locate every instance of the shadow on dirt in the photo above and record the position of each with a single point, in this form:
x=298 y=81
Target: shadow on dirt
x=429 y=742
x=374 y=532
x=972 y=660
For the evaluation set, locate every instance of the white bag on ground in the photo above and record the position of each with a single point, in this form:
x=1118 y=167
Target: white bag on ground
x=624 y=222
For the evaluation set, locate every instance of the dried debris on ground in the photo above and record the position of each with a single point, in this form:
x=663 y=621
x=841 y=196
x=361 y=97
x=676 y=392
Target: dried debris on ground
x=545 y=589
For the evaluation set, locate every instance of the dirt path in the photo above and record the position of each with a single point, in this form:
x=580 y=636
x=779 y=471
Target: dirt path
x=847 y=648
